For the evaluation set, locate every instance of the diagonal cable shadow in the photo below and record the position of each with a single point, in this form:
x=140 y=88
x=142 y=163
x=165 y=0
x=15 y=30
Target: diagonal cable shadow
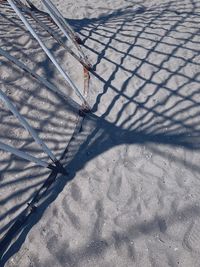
x=153 y=97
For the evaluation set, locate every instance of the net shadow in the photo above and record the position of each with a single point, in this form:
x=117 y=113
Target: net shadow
x=153 y=103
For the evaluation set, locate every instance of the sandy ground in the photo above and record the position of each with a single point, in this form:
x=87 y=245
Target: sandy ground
x=132 y=194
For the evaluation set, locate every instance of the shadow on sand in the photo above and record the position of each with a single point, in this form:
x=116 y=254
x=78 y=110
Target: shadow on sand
x=156 y=105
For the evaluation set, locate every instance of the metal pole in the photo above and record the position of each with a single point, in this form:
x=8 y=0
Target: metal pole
x=52 y=33
x=32 y=6
x=23 y=155
x=59 y=23
x=57 y=12
x=46 y=83
x=27 y=126
x=59 y=16
x=50 y=55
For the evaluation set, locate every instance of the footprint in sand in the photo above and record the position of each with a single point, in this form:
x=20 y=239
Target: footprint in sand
x=191 y=239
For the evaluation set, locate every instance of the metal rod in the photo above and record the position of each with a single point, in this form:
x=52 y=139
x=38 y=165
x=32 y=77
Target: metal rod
x=27 y=126
x=23 y=155
x=32 y=6
x=52 y=33
x=65 y=28
x=50 y=55
x=58 y=22
x=62 y=20
x=45 y=82
x=62 y=27
x=59 y=17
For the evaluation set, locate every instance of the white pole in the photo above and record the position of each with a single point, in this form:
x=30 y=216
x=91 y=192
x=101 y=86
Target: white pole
x=45 y=82
x=57 y=12
x=53 y=34
x=27 y=126
x=59 y=23
x=50 y=55
x=23 y=155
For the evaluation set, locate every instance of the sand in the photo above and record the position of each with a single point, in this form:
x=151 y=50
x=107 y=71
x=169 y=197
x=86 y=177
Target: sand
x=132 y=194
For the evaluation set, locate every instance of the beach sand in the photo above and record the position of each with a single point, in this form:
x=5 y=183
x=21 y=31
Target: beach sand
x=132 y=194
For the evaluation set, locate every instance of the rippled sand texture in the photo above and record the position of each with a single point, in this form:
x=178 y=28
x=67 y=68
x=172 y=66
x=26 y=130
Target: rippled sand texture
x=51 y=116
x=133 y=198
